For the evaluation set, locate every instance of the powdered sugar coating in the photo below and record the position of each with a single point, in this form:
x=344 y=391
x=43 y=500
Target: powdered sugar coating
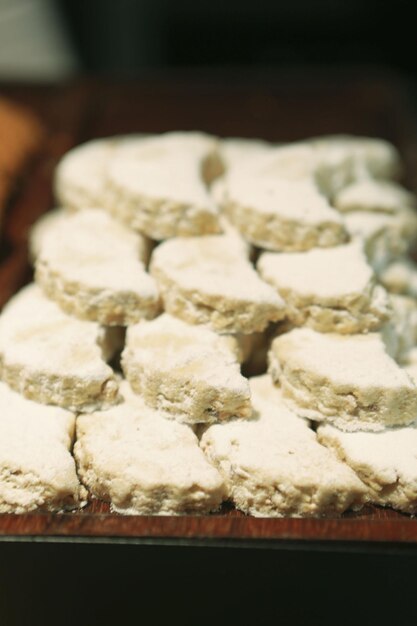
x=274 y=466
x=143 y=463
x=279 y=214
x=91 y=265
x=188 y=372
x=156 y=186
x=53 y=358
x=386 y=462
x=37 y=470
x=349 y=380
x=207 y=280
x=329 y=289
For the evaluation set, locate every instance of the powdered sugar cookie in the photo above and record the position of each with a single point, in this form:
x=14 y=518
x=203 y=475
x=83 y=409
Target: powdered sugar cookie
x=189 y=372
x=385 y=236
x=48 y=222
x=349 y=380
x=370 y=156
x=281 y=215
x=386 y=462
x=328 y=289
x=380 y=196
x=92 y=266
x=400 y=277
x=143 y=463
x=79 y=176
x=205 y=280
x=273 y=464
x=157 y=187
x=37 y=470
x=55 y=359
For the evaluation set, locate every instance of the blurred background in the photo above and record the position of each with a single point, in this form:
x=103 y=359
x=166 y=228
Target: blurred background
x=50 y=39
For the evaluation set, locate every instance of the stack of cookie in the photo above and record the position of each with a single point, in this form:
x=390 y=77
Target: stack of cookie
x=176 y=263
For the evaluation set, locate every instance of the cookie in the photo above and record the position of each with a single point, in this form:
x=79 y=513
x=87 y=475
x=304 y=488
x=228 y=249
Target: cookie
x=380 y=196
x=188 y=372
x=79 y=175
x=53 y=358
x=400 y=333
x=234 y=151
x=244 y=248
x=385 y=236
x=281 y=215
x=37 y=471
x=144 y=464
x=158 y=186
x=348 y=380
x=386 y=462
x=206 y=280
x=400 y=277
x=274 y=466
x=329 y=169
x=327 y=289
x=48 y=222
x=370 y=157
x=92 y=266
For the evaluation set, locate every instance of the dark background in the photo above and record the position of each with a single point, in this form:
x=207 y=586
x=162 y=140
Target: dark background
x=127 y=36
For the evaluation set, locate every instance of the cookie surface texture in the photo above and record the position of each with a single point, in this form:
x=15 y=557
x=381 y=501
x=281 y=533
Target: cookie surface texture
x=329 y=289
x=157 y=186
x=188 y=372
x=273 y=464
x=144 y=464
x=386 y=462
x=53 y=358
x=93 y=267
x=349 y=380
x=37 y=469
x=207 y=280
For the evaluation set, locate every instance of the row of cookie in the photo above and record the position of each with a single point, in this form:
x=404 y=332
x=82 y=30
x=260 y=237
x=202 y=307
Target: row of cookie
x=189 y=372
x=142 y=463
x=94 y=268
x=278 y=197
x=192 y=374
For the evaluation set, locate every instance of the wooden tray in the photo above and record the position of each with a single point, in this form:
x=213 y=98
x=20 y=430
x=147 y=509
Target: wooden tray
x=276 y=107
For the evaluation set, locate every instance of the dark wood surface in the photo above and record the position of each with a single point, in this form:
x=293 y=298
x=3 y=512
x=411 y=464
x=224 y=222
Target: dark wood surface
x=272 y=106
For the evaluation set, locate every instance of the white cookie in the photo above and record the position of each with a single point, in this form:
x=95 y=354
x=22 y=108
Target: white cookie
x=410 y=364
x=205 y=280
x=370 y=157
x=386 y=462
x=328 y=289
x=37 y=470
x=374 y=195
x=281 y=215
x=53 y=358
x=92 y=266
x=400 y=277
x=243 y=247
x=234 y=151
x=48 y=222
x=79 y=175
x=189 y=372
x=273 y=465
x=400 y=333
x=349 y=380
x=156 y=186
x=385 y=236
x=143 y=463
x=329 y=169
